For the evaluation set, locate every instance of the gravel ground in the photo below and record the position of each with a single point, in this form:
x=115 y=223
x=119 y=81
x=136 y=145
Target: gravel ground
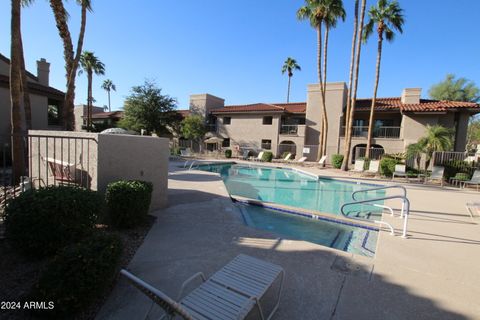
x=18 y=275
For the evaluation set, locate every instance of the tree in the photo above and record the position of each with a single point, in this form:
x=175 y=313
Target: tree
x=353 y=81
x=193 y=128
x=90 y=64
x=146 y=108
x=452 y=89
x=71 y=60
x=20 y=100
x=320 y=12
x=414 y=150
x=473 y=134
x=437 y=138
x=289 y=66
x=387 y=17
x=108 y=85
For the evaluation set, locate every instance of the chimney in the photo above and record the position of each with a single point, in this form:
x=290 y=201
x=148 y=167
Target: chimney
x=43 y=72
x=411 y=95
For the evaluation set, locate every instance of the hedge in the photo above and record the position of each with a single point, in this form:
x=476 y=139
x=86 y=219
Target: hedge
x=267 y=156
x=128 y=202
x=78 y=275
x=228 y=153
x=337 y=160
x=40 y=222
x=387 y=166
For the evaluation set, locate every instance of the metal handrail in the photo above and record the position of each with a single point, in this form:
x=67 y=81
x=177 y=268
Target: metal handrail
x=405 y=201
x=383 y=188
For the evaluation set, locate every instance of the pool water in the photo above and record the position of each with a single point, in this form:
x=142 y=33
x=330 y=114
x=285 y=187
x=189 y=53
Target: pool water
x=294 y=188
x=334 y=235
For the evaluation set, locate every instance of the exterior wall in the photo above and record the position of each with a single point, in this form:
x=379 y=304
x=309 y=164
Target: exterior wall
x=106 y=158
x=335 y=96
x=414 y=125
x=134 y=157
x=248 y=130
x=202 y=104
x=462 y=130
x=80 y=113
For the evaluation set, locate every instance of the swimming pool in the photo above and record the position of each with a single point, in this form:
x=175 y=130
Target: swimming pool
x=293 y=188
x=296 y=189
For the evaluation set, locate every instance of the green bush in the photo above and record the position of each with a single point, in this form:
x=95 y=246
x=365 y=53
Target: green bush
x=387 y=166
x=462 y=176
x=175 y=151
x=128 y=202
x=337 y=160
x=228 y=153
x=453 y=167
x=39 y=222
x=78 y=274
x=267 y=156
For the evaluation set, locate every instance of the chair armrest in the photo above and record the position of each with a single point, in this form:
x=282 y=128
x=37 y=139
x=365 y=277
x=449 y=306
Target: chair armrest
x=184 y=285
x=259 y=307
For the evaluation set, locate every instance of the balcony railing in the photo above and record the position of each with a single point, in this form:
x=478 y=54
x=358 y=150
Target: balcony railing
x=289 y=129
x=378 y=132
x=211 y=127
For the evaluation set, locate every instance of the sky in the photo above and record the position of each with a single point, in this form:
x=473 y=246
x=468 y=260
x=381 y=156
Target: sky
x=235 y=49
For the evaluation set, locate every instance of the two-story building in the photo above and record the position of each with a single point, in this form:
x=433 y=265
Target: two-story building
x=296 y=127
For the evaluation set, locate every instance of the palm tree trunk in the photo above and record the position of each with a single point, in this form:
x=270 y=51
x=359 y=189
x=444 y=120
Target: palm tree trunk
x=323 y=135
x=110 y=109
x=325 y=55
x=348 y=139
x=288 y=90
x=374 y=98
x=89 y=102
x=346 y=152
x=26 y=95
x=16 y=94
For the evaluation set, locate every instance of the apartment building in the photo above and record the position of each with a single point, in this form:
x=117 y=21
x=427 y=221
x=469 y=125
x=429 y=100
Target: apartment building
x=296 y=127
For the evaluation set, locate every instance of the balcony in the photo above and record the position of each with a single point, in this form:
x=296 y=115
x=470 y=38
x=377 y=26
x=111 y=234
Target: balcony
x=211 y=127
x=292 y=129
x=378 y=132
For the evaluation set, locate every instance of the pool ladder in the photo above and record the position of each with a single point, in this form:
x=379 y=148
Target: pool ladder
x=404 y=213
x=191 y=164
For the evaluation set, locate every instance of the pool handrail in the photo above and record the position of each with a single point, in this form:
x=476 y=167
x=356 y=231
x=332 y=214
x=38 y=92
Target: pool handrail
x=383 y=188
x=407 y=211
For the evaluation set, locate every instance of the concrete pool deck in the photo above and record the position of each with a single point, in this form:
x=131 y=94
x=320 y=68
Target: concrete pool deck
x=434 y=274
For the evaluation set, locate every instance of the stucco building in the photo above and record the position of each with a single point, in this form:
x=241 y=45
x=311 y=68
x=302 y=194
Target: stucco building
x=296 y=127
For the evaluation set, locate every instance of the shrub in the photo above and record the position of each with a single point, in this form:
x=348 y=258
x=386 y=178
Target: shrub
x=79 y=274
x=453 y=167
x=337 y=160
x=128 y=202
x=387 y=166
x=39 y=222
x=175 y=151
x=267 y=156
x=228 y=153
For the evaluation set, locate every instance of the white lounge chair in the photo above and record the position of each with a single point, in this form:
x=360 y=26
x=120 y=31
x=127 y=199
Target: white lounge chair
x=437 y=174
x=259 y=157
x=473 y=208
x=186 y=153
x=301 y=160
x=322 y=160
x=234 y=292
x=287 y=157
x=474 y=181
x=400 y=171
x=373 y=168
x=358 y=167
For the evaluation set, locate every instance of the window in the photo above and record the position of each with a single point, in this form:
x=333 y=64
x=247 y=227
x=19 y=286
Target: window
x=54 y=112
x=266 y=144
x=227 y=120
x=226 y=143
x=267 y=120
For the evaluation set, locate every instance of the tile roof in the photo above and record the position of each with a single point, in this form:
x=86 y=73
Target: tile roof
x=35 y=88
x=108 y=115
x=297 y=107
x=425 y=105
x=184 y=113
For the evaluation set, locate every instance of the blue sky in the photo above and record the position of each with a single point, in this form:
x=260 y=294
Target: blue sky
x=235 y=49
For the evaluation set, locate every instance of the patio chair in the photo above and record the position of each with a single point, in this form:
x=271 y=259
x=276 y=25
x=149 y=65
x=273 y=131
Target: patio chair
x=63 y=172
x=358 y=167
x=474 y=181
x=301 y=160
x=245 y=154
x=437 y=174
x=400 y=171
x=322 y=160
x=259 y=157
x=473 y=208
x=373 y=168
x=287 y=158
x=234 y=292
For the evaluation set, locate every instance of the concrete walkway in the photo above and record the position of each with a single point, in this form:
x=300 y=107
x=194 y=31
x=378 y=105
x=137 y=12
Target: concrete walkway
x=435 y=274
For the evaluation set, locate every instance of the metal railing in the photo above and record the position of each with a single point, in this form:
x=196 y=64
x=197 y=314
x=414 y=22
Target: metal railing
x=404 y=213
x=289 y=129
x=211 y=127
x=378 y=132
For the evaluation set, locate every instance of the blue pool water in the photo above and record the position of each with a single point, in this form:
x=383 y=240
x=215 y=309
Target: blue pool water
x=300 y=190
x=293 y=188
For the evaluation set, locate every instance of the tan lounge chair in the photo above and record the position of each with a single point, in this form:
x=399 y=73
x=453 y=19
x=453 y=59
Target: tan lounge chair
x=358 y=167
x=287 y=158
x=373 y=168
x=473 y=208
x=259 y=157
x=234 y=292
x=437 y=175
x=322 y=161
x=475 y=181
x=400 y=171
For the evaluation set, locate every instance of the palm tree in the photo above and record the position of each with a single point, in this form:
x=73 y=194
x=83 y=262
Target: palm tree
x=71 y=59
x=288 y=66
x=437 y=138
x=90 y=64
x=320 y=12
x=108 y=85
x=414 y=151
x=387 y=17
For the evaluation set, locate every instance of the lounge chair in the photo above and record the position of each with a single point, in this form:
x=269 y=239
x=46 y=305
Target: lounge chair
x=474 y=181
x=234 y=292
x=287 y=158
x=373 y=168
x=186 y=153
x=301 y=160
x=473 y=208
x=322 y=160
x=437 y=174
x=63 y=172
x=400 y=171
x=245 y=154
x=358 y=167
x=259 y=157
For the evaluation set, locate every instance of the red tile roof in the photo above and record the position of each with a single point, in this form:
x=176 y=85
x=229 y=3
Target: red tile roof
x=184 y=113
x=425 y=105
x=297 y=107
x=108 y=115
